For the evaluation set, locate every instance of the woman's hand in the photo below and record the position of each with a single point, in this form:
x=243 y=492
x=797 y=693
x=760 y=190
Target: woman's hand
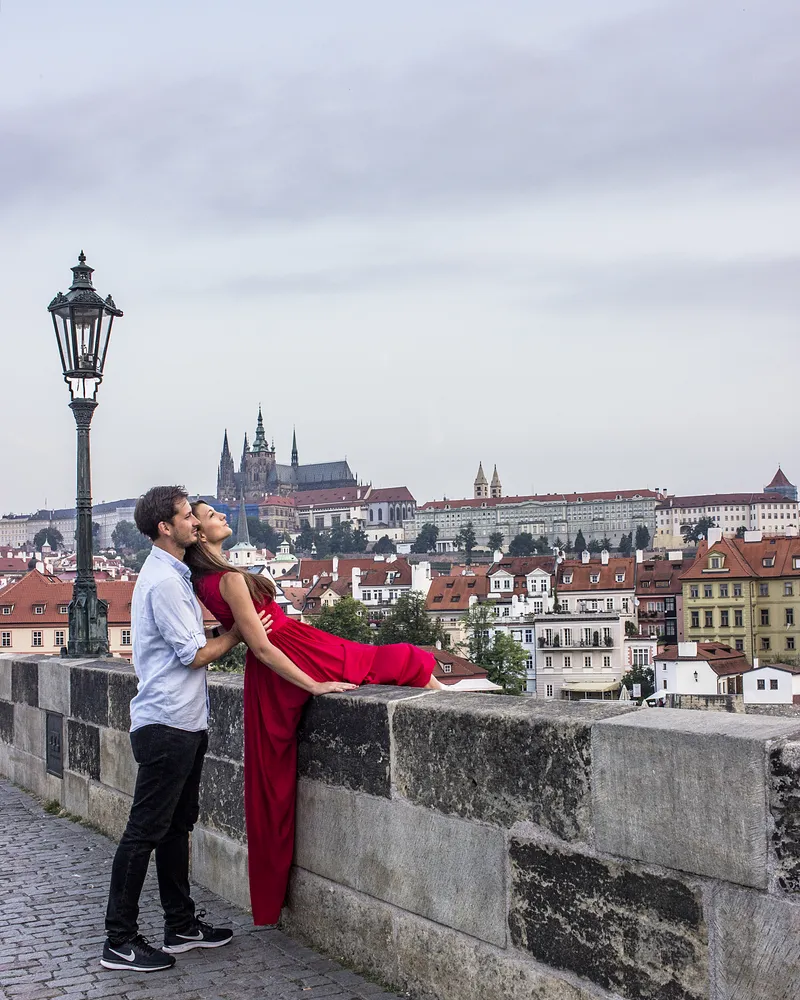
x=332 y=687
x=266 y=621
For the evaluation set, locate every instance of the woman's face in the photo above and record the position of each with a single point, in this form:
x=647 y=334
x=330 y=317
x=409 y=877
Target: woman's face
x=214 y=525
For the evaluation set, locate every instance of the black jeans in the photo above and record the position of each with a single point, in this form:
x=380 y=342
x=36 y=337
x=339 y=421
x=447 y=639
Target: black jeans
x=165 y=808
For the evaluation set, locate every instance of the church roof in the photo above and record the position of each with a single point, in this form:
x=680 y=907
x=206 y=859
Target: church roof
x=779 y=479
x=308 y=476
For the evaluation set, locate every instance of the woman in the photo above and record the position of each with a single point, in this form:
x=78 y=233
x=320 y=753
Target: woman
x=282 y=671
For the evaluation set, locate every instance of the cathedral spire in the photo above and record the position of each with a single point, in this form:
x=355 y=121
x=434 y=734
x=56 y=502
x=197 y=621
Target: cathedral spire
x=226 y=451
x=226 y=474
x=260 y=442
x=242 y=531
x=295 y=460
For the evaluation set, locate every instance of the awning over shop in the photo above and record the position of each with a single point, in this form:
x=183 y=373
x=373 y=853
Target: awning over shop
x=582 y=687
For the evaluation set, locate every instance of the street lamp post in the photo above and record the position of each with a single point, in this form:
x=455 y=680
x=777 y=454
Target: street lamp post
x=82 y=321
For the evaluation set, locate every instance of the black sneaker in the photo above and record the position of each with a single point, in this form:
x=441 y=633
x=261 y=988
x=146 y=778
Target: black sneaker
x=198 y=934
x=136 y=955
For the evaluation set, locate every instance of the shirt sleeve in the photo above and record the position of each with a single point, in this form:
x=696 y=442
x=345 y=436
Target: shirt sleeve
x=175 y=616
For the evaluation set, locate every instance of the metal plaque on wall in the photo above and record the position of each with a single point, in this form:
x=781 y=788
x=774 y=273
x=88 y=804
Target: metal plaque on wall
x=55 y=744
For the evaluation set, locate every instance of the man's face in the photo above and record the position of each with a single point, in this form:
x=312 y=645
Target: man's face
x=182 y=529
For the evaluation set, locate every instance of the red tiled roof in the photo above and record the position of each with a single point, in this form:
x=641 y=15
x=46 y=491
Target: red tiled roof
x=582 y=574
x=307 y=569
x=459 y=667
x=13 y=565
x=452 y=593
x=332 y=496
x=542 y=498
x=392 y=494
x=278 y=502
x=522 y=565
x=779 y=479
x=376 y=575
x=746 y=559
x=722 y=659
x=660 y=576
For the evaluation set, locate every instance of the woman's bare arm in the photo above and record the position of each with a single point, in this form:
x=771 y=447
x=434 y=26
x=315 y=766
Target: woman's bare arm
x=236 y=595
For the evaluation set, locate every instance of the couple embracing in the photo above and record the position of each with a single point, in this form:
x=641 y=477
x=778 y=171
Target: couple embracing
x=287 y=662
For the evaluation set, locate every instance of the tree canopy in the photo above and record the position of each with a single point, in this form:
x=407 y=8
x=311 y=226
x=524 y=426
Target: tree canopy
x=126 y=537
x=626 y=544
x=496 y=541
x=426 y=539
x=384 y=546
x=486 y=645
x=642 y=537
x=346 y=618
x=640 y=675
x=694 y=532
x=580 y=542
x=51 y=536
x=522 y=544
x=466 y=540
x=408 y=621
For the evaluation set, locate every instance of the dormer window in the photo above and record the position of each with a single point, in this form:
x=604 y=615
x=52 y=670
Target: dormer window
x=7 y=608
x=63 y=609
x=715 y=562
x=568 y=578
x=595 y=578
x=38 y=609
x=620 y=577
x=446 y=668
x=768 y=561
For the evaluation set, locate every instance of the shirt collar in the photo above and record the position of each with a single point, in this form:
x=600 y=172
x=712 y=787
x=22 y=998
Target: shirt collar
x=170 y=560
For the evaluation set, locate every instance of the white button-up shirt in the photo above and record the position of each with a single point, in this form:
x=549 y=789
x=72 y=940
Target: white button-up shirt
x=167 y=626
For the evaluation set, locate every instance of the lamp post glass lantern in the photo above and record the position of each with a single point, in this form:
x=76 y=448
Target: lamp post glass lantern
x=82 y=321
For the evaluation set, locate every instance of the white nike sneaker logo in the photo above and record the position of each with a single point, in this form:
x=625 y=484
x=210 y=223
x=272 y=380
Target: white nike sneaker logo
x=191 y=937
x=128 y=958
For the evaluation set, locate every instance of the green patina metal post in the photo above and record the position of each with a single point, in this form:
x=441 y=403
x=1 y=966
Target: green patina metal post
x=82 y=322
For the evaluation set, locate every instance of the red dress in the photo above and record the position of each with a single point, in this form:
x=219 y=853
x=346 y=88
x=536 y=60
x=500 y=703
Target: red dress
x=272 y=710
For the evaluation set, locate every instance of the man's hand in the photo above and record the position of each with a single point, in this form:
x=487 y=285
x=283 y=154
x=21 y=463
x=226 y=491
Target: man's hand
x=332 y=687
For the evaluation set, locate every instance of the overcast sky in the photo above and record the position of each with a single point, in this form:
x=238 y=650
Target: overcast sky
x=559 y=237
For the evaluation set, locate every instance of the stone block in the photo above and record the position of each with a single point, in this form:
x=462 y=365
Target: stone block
x=6 y=761
x=29 y=730
x=226 y=718
x=345 y=739
x=122 y=687
x=220 y=864
x=501 y=760
x=83 y=749
x=88 y=692
x=118 y=769
x=29 y=772
x=410 y=953
x=25 y=682
x=637 y=934
x=784 y=804
x=76 y=794
x=757 y=956
x=5 y=678
x=686 y=790
x=54 y=685
x=437 y=866
x=108 y=809
x=222 y=797
x=6 y=722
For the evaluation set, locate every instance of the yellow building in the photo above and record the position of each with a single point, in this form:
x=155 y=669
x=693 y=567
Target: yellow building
x=745 y=592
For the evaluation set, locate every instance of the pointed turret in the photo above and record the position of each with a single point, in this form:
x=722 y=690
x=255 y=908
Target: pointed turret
x=295 y=460
x=242 y=531
x=496 y=488
x=780 y=486
x=481 y=484
x=260 y=442
x=226 y=473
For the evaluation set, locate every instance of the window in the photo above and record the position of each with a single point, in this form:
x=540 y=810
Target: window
x=6 y=610
x=709 y=618
x=790 y=616
x=773 y=684
x=506 y=584
x=765 y=616
x=126 y=637
x=723 y=590
x=528 y=635
x=765 y=643
x=36 y=638
x=738 y=618
x=548 y=661
x=715 y=559
x=537 y=607
x=768 y=561
x=739 y=645
x=761 y=685
x=641 y=657
x=724 y=619
x=563 y=602
x=367 y=595
x=594 y=578
x=790 y=642
x=737 y=590
x=568 y=663
x=38 y=609
x=587 y=662
x=694 y=591
x=548 y=690
x=763 y=590
x=58 y=638
x=607 y=662
x=788 y=590
x=319 y=523
x=63 y=609
x=620 y=577
x=795 y=562
x=5 y=639
x=609 y=604
x=446 y=668
x=708 y=590
x=695 y=619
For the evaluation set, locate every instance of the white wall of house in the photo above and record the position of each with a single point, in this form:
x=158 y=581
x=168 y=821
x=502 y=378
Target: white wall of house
x=770 y=686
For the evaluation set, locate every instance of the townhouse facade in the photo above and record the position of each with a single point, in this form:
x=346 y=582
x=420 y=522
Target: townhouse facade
x=730 y=512
x=557 y=517
x=745 y=592
x=659 y=596
x=699 y=668
x=387 y=509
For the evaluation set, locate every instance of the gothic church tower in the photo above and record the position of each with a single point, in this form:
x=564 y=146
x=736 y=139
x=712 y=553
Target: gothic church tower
x=226 y=474
x=481 y=484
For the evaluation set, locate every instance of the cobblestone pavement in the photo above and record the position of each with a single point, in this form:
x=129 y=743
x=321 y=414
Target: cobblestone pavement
x=54 y=877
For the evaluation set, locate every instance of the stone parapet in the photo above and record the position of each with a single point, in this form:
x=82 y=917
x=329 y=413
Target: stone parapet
x=476 y=847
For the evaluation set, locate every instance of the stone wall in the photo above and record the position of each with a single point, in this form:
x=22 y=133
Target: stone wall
x=468 y=846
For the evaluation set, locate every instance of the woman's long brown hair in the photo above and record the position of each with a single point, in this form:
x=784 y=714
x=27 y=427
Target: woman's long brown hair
x=202 y=561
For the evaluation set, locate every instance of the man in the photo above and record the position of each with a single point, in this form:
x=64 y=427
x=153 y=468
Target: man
x=169 y=721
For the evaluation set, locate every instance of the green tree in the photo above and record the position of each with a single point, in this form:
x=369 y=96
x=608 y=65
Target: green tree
x=580 y=542
x=740 y=531
x=95 y=537
x=231 y=662
x=594 y=546
x=543 y=547
x=306 y=538
x=126 y=537
x=342 y=537
x=507 y=662
x=360 y=540
x=642 y=537
x=522 y=544
x=262 y=534
x=346 y=618
x=52 y=536
x=384 y=546
x=496 y=541
x=408 y=621
x=694 y=532
x=606 y=543
x=626 y=544
x=465 y=540
x=640 y=675
x=426 y=539
x=136 y=561
x=479 y=624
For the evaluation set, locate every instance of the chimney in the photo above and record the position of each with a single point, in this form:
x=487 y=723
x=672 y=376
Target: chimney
x=639 y=556
x=585 y=556
x=753 y=536
x=335 y=569
x=755 y=663
x=438 y=643
x=356 y=580
x=604 y=557
x=687 y=649
x=714 y=535
x=790 y=531
x=675 y=556
x=497 y=555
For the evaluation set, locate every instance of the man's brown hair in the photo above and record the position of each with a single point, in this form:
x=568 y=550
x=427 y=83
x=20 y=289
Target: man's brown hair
x=158 y=504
